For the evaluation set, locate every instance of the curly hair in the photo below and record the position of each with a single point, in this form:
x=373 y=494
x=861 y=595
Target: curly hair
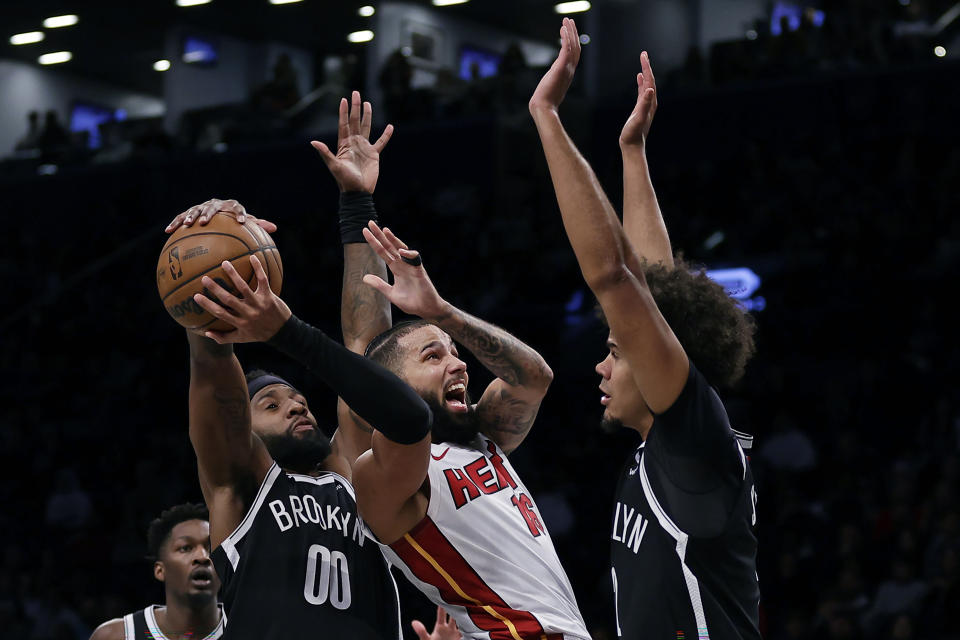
x=712 y=327
x=161 y=527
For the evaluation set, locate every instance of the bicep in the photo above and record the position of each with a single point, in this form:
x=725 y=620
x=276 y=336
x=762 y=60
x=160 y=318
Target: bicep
x=388 y=475
x=507 y=413
x=353 y=433
x=657 y=361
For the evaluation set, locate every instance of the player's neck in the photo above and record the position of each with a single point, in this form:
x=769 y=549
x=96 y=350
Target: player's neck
x=181 y=621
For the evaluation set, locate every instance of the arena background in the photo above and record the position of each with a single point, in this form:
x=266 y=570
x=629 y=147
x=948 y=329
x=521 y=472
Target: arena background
x=825 y=159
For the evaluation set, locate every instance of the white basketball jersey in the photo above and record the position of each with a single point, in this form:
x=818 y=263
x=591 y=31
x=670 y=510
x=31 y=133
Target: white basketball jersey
x=483 y=553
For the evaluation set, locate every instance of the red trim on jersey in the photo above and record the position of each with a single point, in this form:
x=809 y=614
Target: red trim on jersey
x=428 y=536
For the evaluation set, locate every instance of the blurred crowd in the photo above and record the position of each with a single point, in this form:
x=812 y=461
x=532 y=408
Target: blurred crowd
x=840 y=194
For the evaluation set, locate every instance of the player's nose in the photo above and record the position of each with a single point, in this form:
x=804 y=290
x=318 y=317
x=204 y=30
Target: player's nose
x=296 y=409
x=602 y=369
x=456 y=365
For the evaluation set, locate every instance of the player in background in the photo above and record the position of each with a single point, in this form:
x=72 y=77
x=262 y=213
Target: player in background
x=683 y=546
x=178 y=542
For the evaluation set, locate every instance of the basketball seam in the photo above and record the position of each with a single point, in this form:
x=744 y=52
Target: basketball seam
x=171 y=242
x=205 y=271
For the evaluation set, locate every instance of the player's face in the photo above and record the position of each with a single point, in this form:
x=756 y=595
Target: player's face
x=184 y=565
x=621 y=399
x=432 y=367
x=281 y=418
x=279 y=410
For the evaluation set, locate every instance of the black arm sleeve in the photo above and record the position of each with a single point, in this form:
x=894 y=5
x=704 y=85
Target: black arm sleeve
x=377 y=395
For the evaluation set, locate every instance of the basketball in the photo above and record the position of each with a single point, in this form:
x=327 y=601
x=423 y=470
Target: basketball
x=196 y=251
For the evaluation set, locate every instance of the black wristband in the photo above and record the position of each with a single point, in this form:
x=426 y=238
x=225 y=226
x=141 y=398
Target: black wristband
x=356 y=210
x=378 y=396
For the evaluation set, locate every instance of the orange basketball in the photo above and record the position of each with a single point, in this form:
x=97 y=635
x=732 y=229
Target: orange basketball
x=196 y=251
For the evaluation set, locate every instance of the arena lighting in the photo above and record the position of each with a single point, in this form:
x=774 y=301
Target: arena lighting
x=284 y=1
x=939 y=51
x=578 y=6
x=360 y=36
x=447 y=3
x=60 y=21
x=584 y=38
x=191 y=3
x=27 y=38
x=55 y=58
x=161 y=65
x=366 y=11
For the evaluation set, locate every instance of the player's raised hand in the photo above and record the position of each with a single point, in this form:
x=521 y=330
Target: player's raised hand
x=356 y=165
x=412 y=290
x=444 y=629
x=555 y=82
x=201 y=213
x=637 y=127
x=256 y=314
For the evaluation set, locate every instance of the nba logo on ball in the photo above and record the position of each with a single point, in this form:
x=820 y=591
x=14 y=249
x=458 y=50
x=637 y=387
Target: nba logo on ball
x=176 y=269
x=199 y=250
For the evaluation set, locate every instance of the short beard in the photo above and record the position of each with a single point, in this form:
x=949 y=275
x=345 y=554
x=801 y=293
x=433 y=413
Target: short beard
x=300 y=455
x=452 y=427
x=610 y=425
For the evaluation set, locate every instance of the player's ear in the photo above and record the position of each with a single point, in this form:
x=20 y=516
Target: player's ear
x=158 y=572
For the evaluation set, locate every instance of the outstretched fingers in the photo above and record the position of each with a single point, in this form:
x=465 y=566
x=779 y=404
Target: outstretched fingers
x=383 y=139
x=324 y=152
x=238 y=282
x=263 y=282
x=383 y=241
x=397 y=242
x=379 y=284
x=355 y=113
x=343 y=122
x=378 y=247
x=366 y=120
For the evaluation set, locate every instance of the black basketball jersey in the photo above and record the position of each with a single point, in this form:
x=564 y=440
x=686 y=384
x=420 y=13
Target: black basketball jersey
x=142 y=625
x=301 y=564
x=683 y=547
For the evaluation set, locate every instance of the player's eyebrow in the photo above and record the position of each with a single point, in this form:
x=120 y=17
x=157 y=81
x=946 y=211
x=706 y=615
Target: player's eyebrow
x=611 y=344
x=431 y=345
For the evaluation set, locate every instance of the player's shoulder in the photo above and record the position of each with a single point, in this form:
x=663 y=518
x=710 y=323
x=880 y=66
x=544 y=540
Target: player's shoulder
x=110 y=630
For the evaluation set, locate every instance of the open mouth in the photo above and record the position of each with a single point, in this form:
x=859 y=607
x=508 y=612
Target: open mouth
x=201 y=578
x=455 y=396
x=604 y=398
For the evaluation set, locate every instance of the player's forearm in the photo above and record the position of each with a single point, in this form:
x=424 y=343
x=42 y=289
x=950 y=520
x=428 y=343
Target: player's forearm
x=375 y=394
x=364 y=311
x=219 y=414
x=642 y=220
x=592 y=226
x=502 y=353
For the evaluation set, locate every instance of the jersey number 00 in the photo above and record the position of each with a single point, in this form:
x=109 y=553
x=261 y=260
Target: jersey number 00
x=328 y=577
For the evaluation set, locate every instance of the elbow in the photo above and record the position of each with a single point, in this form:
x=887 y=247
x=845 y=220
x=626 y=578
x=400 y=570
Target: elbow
x=544 y=376
x=608 y=276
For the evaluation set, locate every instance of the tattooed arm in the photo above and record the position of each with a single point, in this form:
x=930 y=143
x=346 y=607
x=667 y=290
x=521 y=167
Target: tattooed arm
x=364 y=313
x=510 y=404
x=230 y=458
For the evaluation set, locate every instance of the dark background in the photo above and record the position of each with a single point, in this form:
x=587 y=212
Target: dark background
x=837 y=183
